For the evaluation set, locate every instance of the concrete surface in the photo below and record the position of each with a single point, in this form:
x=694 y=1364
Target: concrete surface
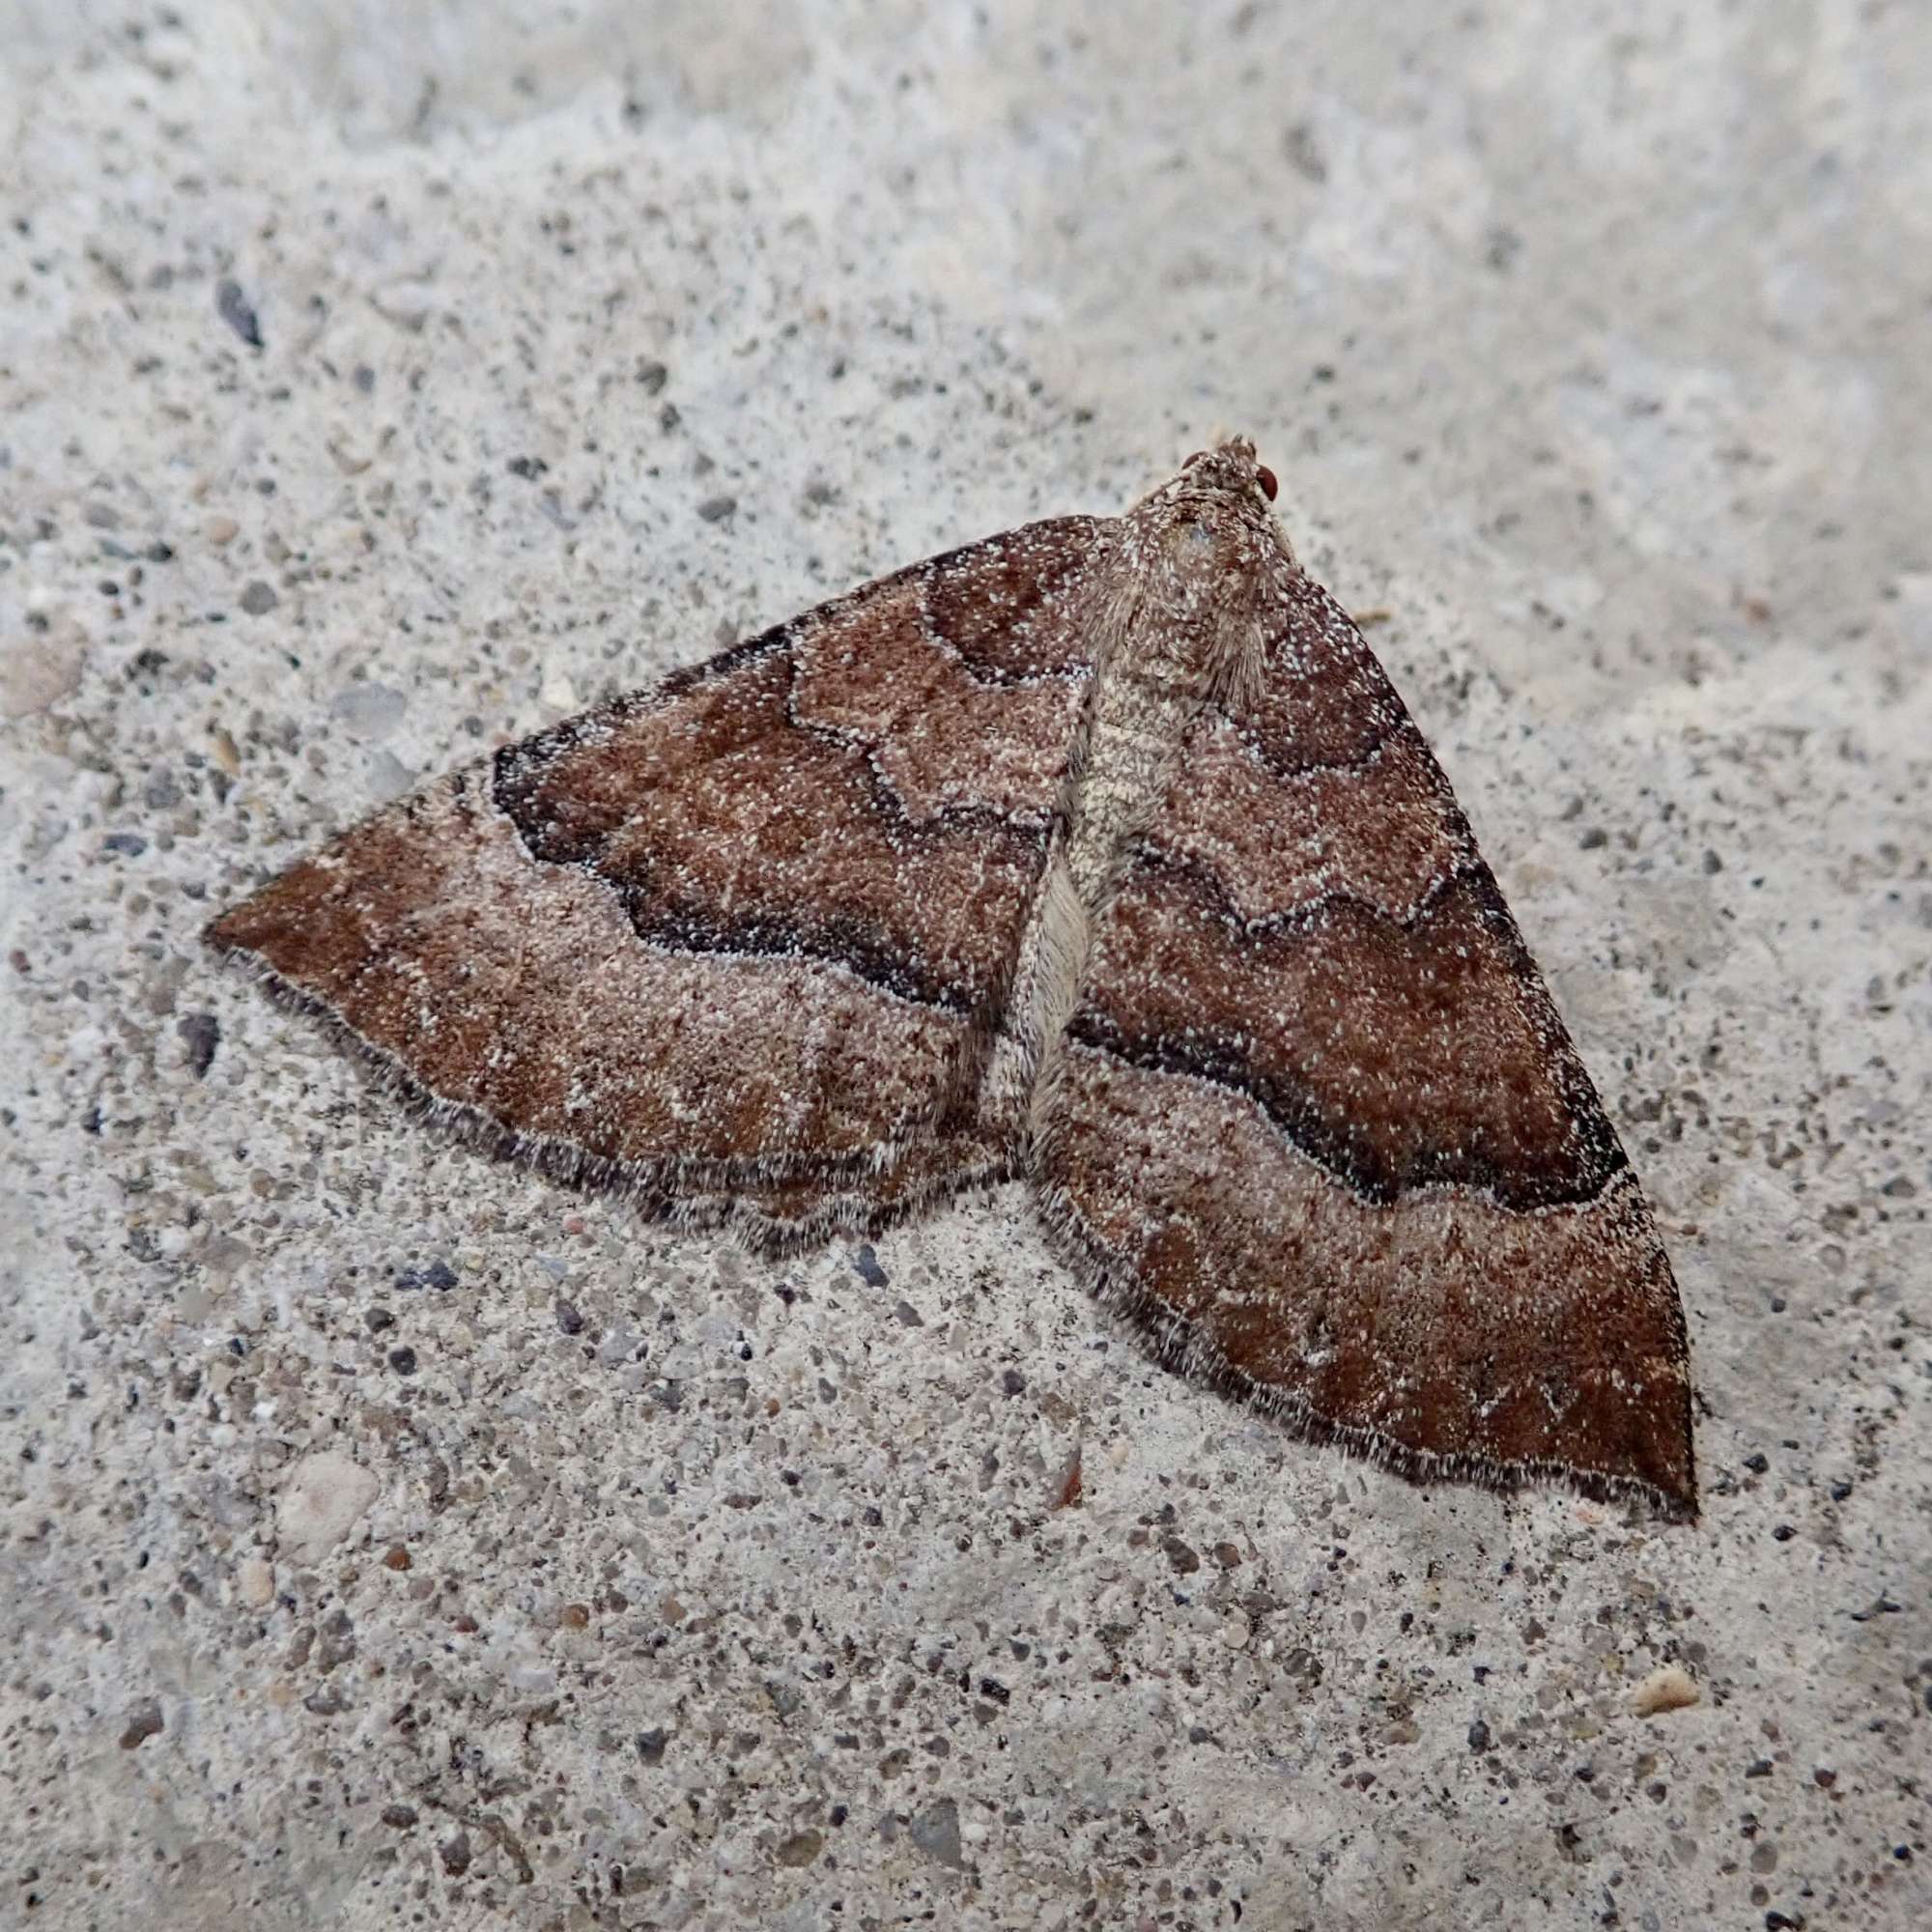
x=391 y=1538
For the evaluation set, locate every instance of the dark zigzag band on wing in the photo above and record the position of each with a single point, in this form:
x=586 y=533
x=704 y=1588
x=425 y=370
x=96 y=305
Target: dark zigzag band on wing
x=682 y=936
x=1289 y=1110
x=944 y=848
x=1210 y=895
x=826 y=942
x=519 y=767
x=1333 y=1137
x=1210 y=898
x=1391 y=725
x=957 y=844
x=877 y=956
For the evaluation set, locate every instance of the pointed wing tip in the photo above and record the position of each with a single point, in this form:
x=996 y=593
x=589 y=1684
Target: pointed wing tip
x=220 y=934
x=235 y=932
x=1669 y=1453
x=1672 y=1503
x=1679 y=1503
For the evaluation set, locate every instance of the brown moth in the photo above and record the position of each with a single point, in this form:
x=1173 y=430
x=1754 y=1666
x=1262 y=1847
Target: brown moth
x=1103 y=856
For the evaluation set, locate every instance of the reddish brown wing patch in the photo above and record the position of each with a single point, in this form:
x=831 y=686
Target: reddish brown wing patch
x=747 y=934
x=1317 y=1125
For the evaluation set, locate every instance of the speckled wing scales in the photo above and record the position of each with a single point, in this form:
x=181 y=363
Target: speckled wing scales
x=1315 y=1123
x=737 y=947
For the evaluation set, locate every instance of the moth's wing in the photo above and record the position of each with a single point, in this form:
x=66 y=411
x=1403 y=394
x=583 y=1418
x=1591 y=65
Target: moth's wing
x=1317 y=1126
x=738 y=943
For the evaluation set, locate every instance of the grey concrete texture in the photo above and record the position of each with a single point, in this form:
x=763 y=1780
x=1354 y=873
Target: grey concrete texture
x=392 y=1537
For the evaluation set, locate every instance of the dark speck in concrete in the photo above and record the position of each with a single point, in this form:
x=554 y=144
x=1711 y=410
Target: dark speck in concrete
x=936 y=1831
x=200 y=1033
x=144 y=1721
x=234 y=307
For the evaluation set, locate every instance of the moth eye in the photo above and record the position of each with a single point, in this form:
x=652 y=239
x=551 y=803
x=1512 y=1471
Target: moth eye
x=1194 y=459
x=1264 y=476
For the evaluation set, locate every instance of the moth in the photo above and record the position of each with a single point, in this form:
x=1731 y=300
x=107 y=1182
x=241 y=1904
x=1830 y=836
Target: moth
x=1100 y=856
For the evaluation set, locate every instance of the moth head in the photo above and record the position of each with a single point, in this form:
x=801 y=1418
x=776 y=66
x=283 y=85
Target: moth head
x=1216 y=563
x=1228 y=468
